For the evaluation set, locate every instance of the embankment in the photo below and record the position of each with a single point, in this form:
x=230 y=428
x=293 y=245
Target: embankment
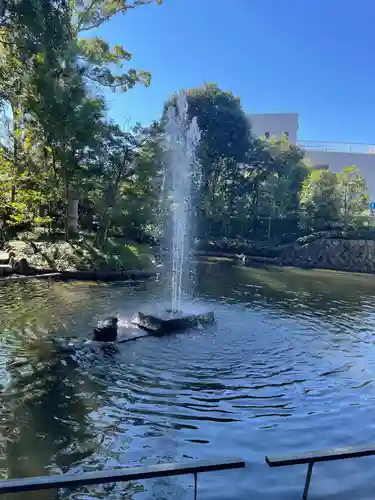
x=334 y=250
x=80 y=259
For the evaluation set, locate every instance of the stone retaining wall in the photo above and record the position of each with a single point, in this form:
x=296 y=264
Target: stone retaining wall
x=339 y=254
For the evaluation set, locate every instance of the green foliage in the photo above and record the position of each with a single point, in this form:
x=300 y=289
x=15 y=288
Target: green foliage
x=262 y=189
x=58 y=144
x=93 y=13
x=320 y=200
x=335 y=200
x=95 y=54
x=83 y=254
x=279 y=180
x=225 y=141
x=225 y=128
x=354 y=199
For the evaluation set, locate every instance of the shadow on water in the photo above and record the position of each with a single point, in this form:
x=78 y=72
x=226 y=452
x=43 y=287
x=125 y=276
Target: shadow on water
x=289 y=366
x=47 y=397
x=44 y=423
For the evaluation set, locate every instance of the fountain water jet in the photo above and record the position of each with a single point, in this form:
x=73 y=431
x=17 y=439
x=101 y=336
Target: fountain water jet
x=180 y=183
x=181 y=175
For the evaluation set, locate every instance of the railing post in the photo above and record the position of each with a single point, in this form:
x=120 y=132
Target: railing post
x=195 y=486
x=307 y=482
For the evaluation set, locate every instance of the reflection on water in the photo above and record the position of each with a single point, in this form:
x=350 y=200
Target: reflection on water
x=289 y=366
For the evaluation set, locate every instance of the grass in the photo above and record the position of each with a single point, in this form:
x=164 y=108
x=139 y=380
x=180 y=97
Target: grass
x=83 y=254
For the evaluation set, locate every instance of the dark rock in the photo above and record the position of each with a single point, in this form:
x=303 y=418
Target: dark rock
x=22 y=267
x=167 y=322
x=5 y=269
x=64 y=346
x=106 y=331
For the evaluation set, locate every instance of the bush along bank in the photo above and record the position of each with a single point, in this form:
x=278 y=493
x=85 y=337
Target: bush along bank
x=81 y=259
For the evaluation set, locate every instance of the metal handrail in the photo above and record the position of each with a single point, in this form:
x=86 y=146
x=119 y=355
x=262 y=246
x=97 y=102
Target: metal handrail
x=119 y=475
x=337 y=146
x=313 y=457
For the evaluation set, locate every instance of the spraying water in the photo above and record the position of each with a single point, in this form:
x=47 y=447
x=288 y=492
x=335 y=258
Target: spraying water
x=181 y=177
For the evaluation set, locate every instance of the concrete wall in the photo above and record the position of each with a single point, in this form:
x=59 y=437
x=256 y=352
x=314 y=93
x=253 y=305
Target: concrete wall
x=336 y=161
x=276 y=124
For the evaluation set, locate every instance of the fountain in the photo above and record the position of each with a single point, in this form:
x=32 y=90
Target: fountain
x=181 y=180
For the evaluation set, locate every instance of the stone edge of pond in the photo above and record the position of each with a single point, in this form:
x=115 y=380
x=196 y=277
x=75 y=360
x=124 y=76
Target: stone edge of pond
x=274 y=263
x=84 y=276
x=107 y=275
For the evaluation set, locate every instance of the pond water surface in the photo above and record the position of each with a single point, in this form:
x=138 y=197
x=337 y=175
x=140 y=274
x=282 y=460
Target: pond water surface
x=288 y=367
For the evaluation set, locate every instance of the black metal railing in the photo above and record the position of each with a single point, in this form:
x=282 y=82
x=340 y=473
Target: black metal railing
x=120 y=475
x=313 y=457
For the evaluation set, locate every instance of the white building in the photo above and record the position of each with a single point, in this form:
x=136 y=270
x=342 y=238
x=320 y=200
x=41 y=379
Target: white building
x=332 y=155
x=275 y=125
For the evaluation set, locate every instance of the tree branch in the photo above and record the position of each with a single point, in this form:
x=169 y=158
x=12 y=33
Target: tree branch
x=99 y=22
x=107 y=17
x=108 y=85
x=7 y=43
x=83 y=15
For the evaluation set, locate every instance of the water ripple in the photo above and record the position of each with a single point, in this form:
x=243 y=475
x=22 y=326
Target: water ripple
x=288 y=367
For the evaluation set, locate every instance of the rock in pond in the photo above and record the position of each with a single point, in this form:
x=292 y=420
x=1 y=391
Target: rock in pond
x=168 y=322
x=106 y=331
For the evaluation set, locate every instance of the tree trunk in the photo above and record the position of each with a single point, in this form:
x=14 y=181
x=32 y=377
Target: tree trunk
x=106 y=226
x=72 y=212
x=15 y=113
x=255 y=206
x=66 y=181
x=103 y=230
x=71 y=209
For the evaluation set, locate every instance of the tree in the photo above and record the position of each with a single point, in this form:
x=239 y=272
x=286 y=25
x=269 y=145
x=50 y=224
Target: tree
x=279 y=191
x=93 y=13
x=140 y=200
x=121 y=183
x=320 y=200
x=30 y=32
x=45 y=69
x=225 y=141
x=95 y=54
x=58 y=145
x=267 y=188
x=288 y=163
x=113 y=168
x=71 y=119
x=354 y=199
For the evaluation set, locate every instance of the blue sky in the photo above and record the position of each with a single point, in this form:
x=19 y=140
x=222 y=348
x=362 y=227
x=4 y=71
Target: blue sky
x=315 y=57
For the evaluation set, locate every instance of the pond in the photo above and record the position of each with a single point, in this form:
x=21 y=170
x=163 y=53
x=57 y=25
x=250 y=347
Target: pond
x=289 y=367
